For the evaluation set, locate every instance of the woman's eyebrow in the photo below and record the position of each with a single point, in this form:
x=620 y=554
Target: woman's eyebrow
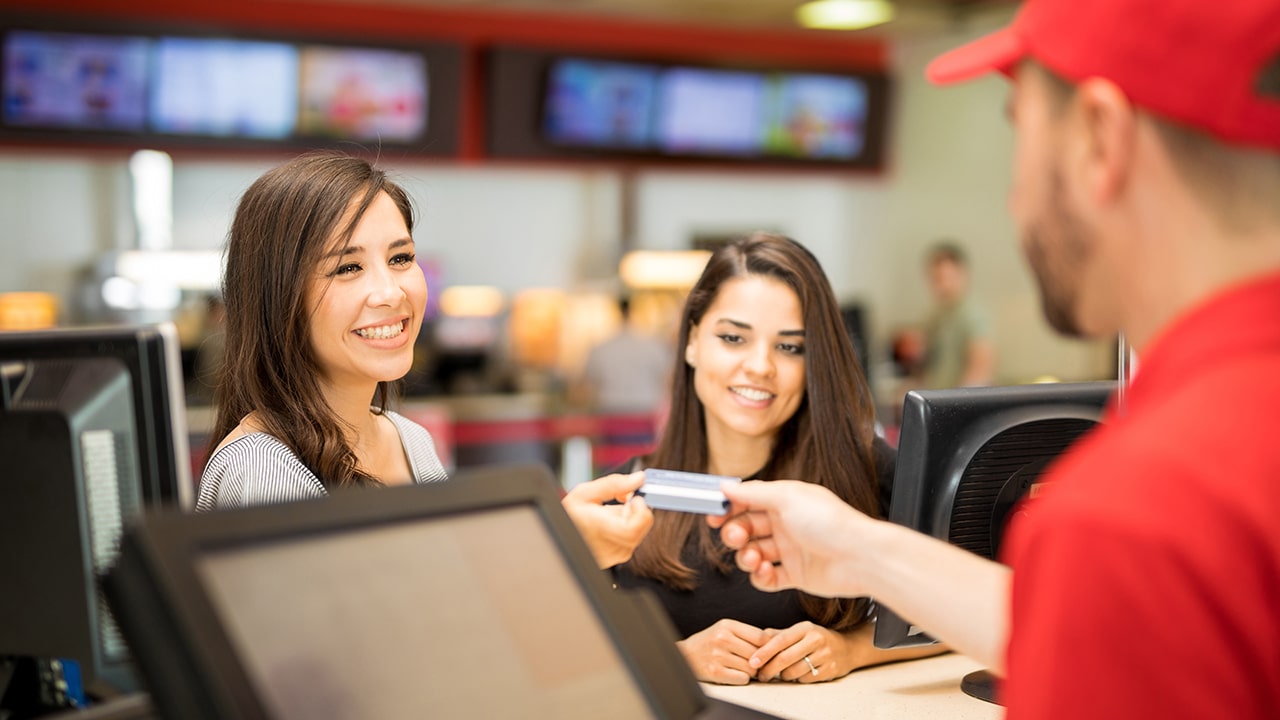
x=347 y=250
x=747 y=326
x=353 y=249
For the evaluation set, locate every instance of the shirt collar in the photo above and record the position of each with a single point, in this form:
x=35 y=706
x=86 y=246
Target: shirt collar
x=1237 y=321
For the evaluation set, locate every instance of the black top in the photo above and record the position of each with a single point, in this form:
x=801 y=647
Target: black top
x=730 y=595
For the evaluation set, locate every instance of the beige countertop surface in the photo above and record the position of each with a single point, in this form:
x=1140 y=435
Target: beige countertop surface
x=925 y=688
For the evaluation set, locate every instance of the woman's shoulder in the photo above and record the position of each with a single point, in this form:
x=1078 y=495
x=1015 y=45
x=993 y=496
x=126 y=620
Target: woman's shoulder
x=403 y=424
x=248 y=425
x=420 y=448
x=255 y=469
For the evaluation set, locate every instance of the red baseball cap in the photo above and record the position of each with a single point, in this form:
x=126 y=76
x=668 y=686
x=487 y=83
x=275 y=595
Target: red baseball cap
x=1208 y=64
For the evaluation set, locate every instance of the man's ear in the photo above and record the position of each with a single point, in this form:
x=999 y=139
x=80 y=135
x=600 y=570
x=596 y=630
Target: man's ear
x=1109 y=124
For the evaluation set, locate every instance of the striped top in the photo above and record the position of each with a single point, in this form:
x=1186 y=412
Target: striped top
x=258 y=469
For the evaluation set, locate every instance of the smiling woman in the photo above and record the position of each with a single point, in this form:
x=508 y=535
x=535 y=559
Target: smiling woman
x=368 y=296
x=324 y=301
x=769 y=388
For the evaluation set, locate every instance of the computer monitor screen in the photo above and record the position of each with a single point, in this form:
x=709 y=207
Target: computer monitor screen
x=599 y=104
x=56 y=80
x=363 y=93
x=470 y=598
x=965 y=458
x=351 y=582
x=91 y=428
x=227 y=88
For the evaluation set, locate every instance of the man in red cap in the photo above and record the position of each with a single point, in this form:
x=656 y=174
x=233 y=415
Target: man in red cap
x=1144 y=580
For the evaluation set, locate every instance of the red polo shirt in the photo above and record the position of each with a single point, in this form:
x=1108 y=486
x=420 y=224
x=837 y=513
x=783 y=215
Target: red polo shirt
x=1147 y=573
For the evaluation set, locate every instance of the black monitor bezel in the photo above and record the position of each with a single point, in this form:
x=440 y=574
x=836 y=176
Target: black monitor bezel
x=185 y=654
x=152 y=355
x=941 y=432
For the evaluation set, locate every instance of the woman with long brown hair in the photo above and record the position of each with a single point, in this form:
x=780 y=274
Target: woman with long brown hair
x=324 y=300
x=767 y=386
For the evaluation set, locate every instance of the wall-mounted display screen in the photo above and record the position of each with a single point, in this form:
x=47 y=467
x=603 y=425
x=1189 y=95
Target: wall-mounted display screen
x=816 y=116
x=161 y=87
x=601 y=104
x=233 y=88
x=710 y=112
x=363 y=93
x=612 y=108
x=75 y=81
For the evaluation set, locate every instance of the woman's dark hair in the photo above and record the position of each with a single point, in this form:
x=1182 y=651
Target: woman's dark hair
x=828 y=441
x=285 y=223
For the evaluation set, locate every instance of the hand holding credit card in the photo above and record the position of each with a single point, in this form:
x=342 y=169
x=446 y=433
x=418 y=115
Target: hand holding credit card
x=685 y=491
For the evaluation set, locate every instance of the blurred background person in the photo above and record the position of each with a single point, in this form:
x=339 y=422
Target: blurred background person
x=958 y=347
x=627 y=374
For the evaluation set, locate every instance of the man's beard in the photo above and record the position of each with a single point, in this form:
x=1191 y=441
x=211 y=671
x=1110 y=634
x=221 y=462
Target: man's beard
x=1058 y=248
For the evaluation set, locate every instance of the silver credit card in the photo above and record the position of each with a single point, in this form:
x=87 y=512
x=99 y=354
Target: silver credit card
x=685 y=491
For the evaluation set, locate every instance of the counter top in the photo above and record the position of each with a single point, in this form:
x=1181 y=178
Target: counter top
x=924 y=688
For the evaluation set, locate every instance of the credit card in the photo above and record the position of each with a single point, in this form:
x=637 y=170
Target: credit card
x=685 y=491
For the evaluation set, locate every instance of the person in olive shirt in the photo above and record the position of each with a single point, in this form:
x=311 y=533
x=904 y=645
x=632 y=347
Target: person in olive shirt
x=958 y=348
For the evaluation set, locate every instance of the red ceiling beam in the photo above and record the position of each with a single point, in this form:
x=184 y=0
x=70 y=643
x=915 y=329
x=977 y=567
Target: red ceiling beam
x=479 y=27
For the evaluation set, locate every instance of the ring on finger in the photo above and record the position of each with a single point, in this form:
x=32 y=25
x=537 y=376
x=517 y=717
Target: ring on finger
x=813 y=670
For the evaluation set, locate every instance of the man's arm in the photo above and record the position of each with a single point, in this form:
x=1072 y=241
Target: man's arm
x=957 y=596
x=796 y=534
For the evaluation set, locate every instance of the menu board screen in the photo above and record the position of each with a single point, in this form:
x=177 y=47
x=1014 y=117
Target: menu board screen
x=233 y=88
x=75 y=81
x=600 y=104
x=816 y=116
x=363 y=93
x=716 y=112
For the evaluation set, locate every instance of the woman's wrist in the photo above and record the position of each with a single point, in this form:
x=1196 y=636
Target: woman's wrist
x=859 y=650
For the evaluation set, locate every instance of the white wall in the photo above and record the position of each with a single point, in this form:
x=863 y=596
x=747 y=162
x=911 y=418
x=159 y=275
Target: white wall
x=952 y=155
x=57 y=215
x=517 y=227
x=827 y=212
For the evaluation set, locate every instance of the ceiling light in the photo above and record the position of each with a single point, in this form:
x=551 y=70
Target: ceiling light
x=844 y=14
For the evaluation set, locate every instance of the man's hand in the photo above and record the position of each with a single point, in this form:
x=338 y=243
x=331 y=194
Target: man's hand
x=799 y=535
x=611 y=531
x=791 y=534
